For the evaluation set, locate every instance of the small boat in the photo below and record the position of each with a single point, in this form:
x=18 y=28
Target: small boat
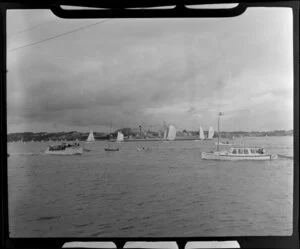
x=143 y=149
x=226 y=143
x=239 y=153
x=111 y=149
x=64 y=149
x=120 y=138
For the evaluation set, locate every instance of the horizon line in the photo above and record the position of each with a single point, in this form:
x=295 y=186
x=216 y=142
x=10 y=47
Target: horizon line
x=149 y=130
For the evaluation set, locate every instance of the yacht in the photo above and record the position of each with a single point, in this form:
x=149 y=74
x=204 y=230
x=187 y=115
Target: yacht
x=64 y=149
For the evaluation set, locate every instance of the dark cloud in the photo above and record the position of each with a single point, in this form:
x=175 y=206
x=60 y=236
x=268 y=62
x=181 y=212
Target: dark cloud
x=181 y=71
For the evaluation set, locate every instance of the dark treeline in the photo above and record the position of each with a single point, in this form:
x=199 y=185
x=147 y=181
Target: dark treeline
x=131 y=133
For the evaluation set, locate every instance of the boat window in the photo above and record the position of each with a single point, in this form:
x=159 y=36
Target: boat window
x=234 y=151
x=253 y=151
x=241 y=151
x=246 y=151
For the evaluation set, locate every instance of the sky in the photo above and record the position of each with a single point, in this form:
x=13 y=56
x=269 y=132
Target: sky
x=101 y=74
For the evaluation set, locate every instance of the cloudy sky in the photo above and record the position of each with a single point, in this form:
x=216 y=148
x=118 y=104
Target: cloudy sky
x=88 y=74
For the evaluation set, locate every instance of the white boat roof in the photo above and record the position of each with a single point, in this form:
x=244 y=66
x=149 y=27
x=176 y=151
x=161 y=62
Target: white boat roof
x=244 y=147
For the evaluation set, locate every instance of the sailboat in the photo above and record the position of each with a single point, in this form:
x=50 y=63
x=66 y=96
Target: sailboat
x=201 y=133
x=90 y=138
x=165 y=132
x=120 y=138
x=237 y=153
x=211 y=133
x=171 y=133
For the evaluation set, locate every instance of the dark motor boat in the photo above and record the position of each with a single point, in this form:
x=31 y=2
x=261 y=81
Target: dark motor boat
x=111 y=149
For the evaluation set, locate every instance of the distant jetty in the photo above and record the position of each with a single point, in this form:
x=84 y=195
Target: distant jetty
x=133 y=135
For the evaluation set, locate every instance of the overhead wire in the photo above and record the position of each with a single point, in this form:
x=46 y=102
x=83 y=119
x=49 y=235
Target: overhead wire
x=56 y=36
x=32 y=27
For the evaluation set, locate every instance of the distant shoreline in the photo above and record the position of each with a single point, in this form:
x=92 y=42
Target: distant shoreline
x=74 y=135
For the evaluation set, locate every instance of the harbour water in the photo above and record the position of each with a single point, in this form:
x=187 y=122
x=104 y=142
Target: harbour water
x=166 y=190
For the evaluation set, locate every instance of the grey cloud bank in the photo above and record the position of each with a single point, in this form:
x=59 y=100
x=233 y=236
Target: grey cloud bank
x=127 y=72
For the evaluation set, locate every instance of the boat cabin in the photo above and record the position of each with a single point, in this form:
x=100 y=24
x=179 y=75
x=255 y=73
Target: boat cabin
x=63 y=146
x=247 y=151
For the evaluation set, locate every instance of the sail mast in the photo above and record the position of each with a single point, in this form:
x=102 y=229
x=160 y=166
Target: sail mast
x=220 y=114
x=218 y=132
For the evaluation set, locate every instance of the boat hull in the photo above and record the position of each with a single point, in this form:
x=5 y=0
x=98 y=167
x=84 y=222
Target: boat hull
x=67 y=151
x=224 y=157
x=107 y=149
x=223 y=144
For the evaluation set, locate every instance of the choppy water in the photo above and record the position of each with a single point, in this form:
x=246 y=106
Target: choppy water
x=165 y=191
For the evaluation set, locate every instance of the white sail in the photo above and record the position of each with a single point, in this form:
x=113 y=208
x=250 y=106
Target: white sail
x=201 y=133
x=171 y=133
x=120 y=137
x=91 y=137
x=210 y=133
x=165 y=134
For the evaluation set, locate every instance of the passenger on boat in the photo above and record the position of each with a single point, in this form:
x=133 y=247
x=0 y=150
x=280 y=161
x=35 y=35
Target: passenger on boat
x=260 y=151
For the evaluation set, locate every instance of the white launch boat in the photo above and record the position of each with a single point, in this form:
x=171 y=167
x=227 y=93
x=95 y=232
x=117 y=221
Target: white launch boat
x=239 y=153
x=65 y=149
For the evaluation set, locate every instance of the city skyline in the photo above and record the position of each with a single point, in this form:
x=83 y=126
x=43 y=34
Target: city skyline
x=128 y=73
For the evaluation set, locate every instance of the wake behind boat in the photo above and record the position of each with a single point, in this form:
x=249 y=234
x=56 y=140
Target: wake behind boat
x=64 y=149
